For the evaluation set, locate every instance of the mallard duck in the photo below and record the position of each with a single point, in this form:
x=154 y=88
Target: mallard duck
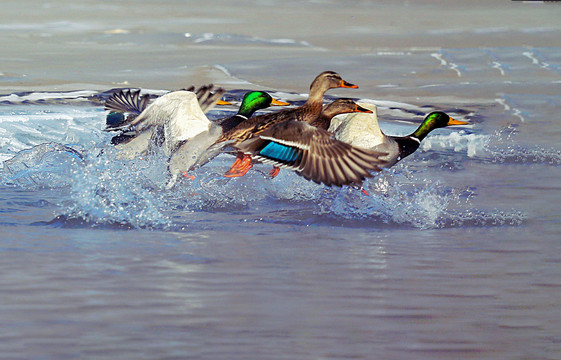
x=308 y=112
x=176 y=111
x=337 y=107
x=167 y=122
x=312 y=153
x=363 y=130
x=204 y=147
x=131 y=103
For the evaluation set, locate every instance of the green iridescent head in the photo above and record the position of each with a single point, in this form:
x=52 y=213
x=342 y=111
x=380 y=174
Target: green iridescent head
x=435 y=120
x=257 y=100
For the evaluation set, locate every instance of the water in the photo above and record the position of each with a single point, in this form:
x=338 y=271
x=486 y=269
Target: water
x=454 y=255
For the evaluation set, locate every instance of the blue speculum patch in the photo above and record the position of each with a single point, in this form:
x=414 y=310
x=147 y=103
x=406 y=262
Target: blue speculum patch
x=279 y=152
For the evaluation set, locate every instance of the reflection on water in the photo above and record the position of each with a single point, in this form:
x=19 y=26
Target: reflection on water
x=316 y=293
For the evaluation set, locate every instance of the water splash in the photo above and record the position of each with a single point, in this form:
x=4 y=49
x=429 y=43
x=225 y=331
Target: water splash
x=48 y=165
x=500 y=147
x=404 y=198
x=125 y=192
x=95 y=188
x=101 y=189
x=393 y=198
x=459 y=141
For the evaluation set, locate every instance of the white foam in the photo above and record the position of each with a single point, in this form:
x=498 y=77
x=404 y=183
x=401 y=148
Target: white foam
x=458 y=141
x=104 y=189
x=35 y=96
x=242 y=39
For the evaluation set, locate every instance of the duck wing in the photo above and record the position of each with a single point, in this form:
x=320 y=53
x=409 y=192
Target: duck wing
x=207 y=95
x=313 y=153
x=130 y=101
x=125 y=101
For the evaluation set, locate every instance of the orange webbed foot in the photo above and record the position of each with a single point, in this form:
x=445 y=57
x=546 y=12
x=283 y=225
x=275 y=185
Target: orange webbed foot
x=274 y=171
x=241 y=166
x=190 y=177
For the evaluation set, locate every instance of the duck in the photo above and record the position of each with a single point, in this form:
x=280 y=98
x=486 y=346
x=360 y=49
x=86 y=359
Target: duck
x=337 y=107
x=364 y=131
x=167 y=122
x=128 y=101
x=204 y=147
x=313 y=153
x=170 y=119
x=308 y=112
x=176 y=123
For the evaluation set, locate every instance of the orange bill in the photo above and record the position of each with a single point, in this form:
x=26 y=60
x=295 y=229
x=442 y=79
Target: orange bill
x=222 y=102
x=453 y=121
x=345 y=84
x=279 y=103
x=359 y=108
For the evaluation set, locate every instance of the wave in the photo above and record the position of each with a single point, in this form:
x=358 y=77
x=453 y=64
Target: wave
x=236 y=39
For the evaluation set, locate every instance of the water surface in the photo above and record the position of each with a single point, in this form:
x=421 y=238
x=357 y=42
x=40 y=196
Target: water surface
x=454 y=255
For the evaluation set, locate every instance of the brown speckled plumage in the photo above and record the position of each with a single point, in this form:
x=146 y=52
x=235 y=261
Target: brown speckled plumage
x=314 y=154
x=337 y=107
x=307 y=113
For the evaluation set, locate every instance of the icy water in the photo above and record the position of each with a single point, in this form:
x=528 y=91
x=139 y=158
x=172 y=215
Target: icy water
x=454 y=255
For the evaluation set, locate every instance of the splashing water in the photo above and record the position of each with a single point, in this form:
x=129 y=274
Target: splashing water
x=98 y=188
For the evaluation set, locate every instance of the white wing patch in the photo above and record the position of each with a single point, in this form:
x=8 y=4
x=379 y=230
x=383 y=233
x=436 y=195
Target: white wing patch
x=287 y=143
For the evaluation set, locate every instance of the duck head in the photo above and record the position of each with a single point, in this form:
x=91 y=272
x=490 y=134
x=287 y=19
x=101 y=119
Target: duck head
x=330 y=80
x=257 y=100
x=435 y=120
x=325 y=81
x=343 y=106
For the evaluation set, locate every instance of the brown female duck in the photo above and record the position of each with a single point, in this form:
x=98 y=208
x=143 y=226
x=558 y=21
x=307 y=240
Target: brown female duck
x=283 y=132
x=337 y=107
x=308 y=113
x=313 y=153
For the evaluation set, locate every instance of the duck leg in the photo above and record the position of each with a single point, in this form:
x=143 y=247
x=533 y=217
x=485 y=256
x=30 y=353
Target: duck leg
x=274 y=171
x=241 y=166
x=190 y=177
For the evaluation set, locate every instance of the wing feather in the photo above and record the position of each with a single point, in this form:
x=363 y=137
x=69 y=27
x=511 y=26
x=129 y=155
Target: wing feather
x=321 y=158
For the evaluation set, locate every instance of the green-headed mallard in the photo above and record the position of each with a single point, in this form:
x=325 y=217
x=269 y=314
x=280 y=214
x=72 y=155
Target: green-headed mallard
x=363 y=130
x=204 y=147
x=176 y=122
x=308 y=112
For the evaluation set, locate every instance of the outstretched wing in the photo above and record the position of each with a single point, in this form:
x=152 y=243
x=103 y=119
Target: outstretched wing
x=207 y=95
x=127 y=101
x=130 y=102
x=313 y=153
